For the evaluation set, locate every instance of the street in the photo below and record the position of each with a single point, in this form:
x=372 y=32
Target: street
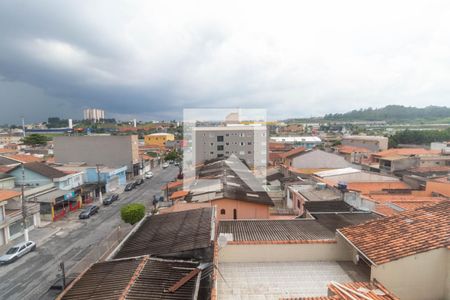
x=32 y=275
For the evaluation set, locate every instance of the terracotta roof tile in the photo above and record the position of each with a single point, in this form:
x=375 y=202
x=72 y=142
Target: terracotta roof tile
x=349 y=149
x=8 y=194
x=404 y=234
x=406 y=152
x=370 y=187
x=178 y=194
x=294 y=151
x=24 y=158
x=371 y=290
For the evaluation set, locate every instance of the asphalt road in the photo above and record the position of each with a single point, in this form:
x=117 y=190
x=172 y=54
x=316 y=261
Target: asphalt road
x=31 y=276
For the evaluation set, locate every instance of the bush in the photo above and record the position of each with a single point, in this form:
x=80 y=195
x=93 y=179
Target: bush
x=132 y=213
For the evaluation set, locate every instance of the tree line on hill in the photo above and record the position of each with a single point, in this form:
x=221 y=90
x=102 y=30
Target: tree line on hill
x=392 y=113
x=419 y=137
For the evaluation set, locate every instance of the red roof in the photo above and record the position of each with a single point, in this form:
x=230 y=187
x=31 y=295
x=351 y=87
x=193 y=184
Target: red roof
x=406 y=152
x=370 y=187
x=349 y=149
x=24 y=158
x=404 y=234
x=8 y=194
x=178 y=194
x=294 y=151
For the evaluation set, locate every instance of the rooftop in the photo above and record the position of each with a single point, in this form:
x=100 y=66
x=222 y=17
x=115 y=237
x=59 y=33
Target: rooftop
x=275 y=280
x=23 y=158
x=333 y=221
x=267 y=231
x=406 y=152
x=43 y=170
x=293 y=152
x=350 y=149
x=370 y=187
x=140 y=278
x=407 y=233
x=170 y=234
x=328 y=206
x=8 y=194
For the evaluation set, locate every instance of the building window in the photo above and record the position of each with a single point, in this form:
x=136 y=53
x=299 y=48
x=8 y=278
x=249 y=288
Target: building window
x=249 y=143
x=220 y=138
x=227 y=143
x=249 y=152
x=222 y=211
x=242 y=143
x=227 y=134
x=212 y=153
x=219 y=147
x=219 y=155
x=212 y=144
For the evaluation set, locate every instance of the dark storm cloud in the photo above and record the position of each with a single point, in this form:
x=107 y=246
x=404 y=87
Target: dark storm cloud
x=151 y=59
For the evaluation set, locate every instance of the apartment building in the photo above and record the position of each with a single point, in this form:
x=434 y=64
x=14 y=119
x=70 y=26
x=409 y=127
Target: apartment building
x=94 y=114
x=158 y=139
x=247 y=142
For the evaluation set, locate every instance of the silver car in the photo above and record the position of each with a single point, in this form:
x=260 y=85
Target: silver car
x=17 y=251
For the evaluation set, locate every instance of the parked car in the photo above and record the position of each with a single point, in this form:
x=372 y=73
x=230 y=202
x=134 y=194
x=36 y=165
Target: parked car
x=89 y=211
x=110 y=199
x=17 y=251
x=139 y=181
x=165 y=165
x=130 y=187
x=177 y=163
x=149 y=175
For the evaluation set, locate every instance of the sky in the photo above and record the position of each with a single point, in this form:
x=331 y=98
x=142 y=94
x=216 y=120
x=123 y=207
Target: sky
x=151 y=59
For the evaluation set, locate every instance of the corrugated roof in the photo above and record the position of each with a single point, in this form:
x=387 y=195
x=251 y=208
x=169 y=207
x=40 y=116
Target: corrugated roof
x=143 y=278
x=404 y=234
x=337 y=172
x=328 y=206
x=170 y=233
x=275 y=230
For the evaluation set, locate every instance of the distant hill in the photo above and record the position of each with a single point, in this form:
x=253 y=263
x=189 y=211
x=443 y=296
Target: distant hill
x=393 y=113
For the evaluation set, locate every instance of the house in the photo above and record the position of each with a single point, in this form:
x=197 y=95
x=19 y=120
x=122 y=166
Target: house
x=371 y=143
x=408 y=253
x=165 y=256
x=275 y=259
x=138 y=278
x=438 y=187
x=158 y=139
x=11 y=217
x=229 y=185
x=37 y=173
x=308 y=162
x=356 y=155
x=398 y=159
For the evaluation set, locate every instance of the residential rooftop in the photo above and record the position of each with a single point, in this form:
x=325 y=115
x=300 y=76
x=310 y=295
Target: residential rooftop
x=407 y=233
x=170 y=234
x=267 y=231
x=137 y=278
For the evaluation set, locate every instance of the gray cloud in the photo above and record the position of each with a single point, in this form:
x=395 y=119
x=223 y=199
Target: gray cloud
x=152 y=59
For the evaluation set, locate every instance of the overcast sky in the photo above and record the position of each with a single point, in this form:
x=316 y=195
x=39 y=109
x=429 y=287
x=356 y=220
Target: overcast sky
x=150 y=59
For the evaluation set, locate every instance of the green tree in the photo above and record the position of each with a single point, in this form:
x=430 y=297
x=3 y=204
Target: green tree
x=35 y=140
x=172 y=155
x=132 y=213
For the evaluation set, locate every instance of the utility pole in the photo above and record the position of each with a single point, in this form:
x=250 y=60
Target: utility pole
x=24 y=208
x=100 y=196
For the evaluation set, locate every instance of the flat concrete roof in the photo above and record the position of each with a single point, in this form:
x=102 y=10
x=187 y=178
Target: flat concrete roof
x=275 y=280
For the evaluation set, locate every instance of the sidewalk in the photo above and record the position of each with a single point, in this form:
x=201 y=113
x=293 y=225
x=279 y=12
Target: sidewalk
x=38 y=235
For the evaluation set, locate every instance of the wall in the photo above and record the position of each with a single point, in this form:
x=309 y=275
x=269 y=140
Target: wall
x=7 y=183
x=245 y=210
x=442 y=188
x=110 y=151
x=338 y=251
x=318 y=159
x=374 y=145
x=31 y=178
x=416 y=277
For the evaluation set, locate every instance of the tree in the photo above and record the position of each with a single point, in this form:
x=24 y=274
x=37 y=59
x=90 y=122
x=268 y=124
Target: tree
x=35 y=140
x=172 y=155
x=132 y=213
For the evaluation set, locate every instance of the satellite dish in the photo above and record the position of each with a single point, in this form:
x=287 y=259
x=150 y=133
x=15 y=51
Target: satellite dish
x=222 y=241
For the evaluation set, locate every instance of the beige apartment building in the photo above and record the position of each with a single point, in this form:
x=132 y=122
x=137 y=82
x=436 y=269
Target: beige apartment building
x=247 y=142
